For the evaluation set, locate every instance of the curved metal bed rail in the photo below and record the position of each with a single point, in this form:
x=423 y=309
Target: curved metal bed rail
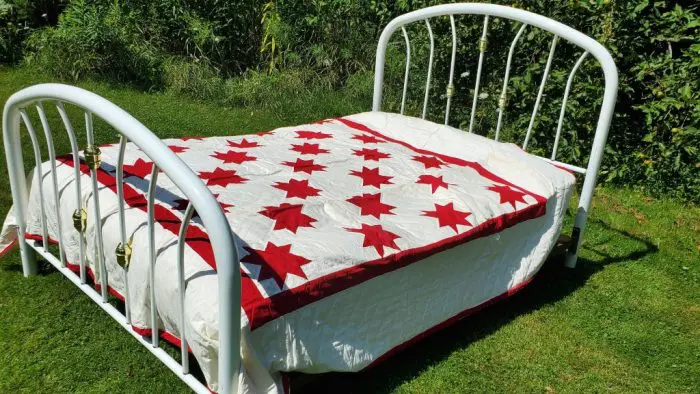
x=201 y=200
x=526 y=18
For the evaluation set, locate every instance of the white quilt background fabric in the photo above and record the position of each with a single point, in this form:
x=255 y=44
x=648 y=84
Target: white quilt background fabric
x=356 y=235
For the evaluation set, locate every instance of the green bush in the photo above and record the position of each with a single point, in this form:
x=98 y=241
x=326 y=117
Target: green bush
x=254 y=53
x=134 y=41
x=98 y=40
x=18 y=18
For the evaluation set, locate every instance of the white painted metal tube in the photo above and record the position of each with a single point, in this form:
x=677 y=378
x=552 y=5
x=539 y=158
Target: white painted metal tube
x=37 y=174
x=540 y=93
x=450 y=83
x=99 y=247
x=152 y=186
x=18 y=183
x=78 y=190
x=208 y=209
x=502 y=100
x=54 y=179
x=430 y=69
x=569 y=167
x=122 y=220
x=563 y=103
x=408 y=68
x=182 y=287
x=482 y=51
x=161 y=354
x=120 y=189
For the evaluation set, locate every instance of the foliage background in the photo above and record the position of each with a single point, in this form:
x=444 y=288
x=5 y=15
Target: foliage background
x=245 y=52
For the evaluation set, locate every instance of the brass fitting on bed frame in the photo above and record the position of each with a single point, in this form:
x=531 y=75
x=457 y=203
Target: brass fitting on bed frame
x=450 y=90
x=80 y=220
x=92 y=157
x=123 y=253
x=502 y=101
x=483 y=45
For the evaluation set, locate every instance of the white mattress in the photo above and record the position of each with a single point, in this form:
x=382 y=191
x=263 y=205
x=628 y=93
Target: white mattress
x=392 y=225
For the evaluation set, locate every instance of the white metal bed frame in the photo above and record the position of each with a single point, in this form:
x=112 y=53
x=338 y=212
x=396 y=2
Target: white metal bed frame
x=202 y=200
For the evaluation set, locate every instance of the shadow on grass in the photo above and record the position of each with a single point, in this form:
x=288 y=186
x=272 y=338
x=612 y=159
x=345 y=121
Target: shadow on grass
x=552 y=283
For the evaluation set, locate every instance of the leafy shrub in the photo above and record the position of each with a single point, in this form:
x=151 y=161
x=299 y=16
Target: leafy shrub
x=133 y=40
x=98 y=40
x=18 y=18
x=247 y=52
x=223 y=34
x=193 y=79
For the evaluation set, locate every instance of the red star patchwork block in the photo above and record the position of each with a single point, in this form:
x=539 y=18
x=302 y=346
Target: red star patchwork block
x=288 y=217
x=508 y=195
x=371 y=204
x=243 y=144
x=140 y=168
x=307 y=166
x=178 y=149
x=233 y=156
x=435 y=182
x=372 y=177
x=367 y=139
x=312 y=135
x=308 y=149
x=276 y=262
x=377 y=237
x=371 y=154
x=297 y=188
x=221 y=177
x=429 y=161
x=448 y=216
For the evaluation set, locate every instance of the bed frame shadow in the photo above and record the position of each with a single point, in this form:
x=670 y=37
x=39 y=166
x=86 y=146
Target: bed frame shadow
x=551 y=284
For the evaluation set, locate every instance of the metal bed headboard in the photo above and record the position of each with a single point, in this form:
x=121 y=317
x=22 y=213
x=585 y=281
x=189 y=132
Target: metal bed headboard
x=201 y=200
x=526 y=18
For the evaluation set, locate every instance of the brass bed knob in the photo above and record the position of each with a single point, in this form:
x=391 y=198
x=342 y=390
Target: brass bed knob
x=123 y=253
x=80 y=220
x=92 y=156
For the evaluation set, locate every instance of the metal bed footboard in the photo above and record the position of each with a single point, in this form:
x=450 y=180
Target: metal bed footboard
x=201 y=200
x=526 y=18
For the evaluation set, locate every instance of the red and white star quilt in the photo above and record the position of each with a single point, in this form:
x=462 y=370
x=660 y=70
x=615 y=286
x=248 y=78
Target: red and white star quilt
x=323 y=208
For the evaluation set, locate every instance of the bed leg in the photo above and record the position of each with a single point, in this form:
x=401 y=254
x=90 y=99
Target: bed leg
x=18 y=184
x=572 y=253
x=576 y=236
x=29 y=261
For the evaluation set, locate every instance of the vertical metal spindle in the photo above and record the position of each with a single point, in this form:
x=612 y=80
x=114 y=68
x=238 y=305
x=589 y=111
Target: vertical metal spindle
x=181 y=278
x=504 y=92
x=430 y=69
x=122 y=222
x=152 y=253
x=38 y=174
x=450 y=85
x=78 y=190
x=563 y=102
x=541 y=91
x=92 y=159
x=482 y=51
x=408 y=67
x=54 y=179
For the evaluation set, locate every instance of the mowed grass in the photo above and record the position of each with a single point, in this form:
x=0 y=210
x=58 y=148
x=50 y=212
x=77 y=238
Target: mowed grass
x=626 y=320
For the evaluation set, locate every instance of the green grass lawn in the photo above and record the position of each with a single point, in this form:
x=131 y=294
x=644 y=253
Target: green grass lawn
x=627 y=319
